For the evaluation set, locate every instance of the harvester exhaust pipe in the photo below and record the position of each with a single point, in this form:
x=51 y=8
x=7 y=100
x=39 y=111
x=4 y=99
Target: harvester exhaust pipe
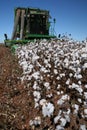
x=22 y=24
x=15 y=24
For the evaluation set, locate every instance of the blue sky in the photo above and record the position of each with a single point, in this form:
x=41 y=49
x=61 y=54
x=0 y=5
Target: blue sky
x=71 y=15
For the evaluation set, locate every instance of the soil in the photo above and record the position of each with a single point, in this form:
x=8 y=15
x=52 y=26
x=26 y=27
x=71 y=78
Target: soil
x=9 y=87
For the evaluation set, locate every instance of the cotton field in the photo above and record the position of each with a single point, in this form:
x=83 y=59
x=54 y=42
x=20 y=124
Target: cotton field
x=55 y=76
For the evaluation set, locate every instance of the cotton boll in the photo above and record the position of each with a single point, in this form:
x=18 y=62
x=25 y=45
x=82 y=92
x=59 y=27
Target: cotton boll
x=70 y=86
x=47 y=109
x=24 y=65
x=38 y=64
x=55 y=55
x=31 y=122
x=85 y=112
x=43 y=69
x=36 y=75
x=48 y=75
x=76 y=108
x=67 y=82
x=37 y=94
x=58 y=78
x=66 y=60
x=22 y=53
x=30 y=66
x=58 y=86
x=35 y=86
x=77 y=62
x=55 y=71
x=82 y=127
x=80 y=90
x=68 y=111
x=58 y=64
x=63 y=99
x=49 y=95
x=63 y=121
x=78 y=70
x=35 y=58
x=41 y=77
x=46 y=84
x=79 y=76
x=85 y=103
x=79 y=82
x=26 y=55
x=36 y=121
x=60 y=102
x=28 y=77
x=71 y=67
x=62 y=75
x=36 y=99
x=49 y=65
x=86 y=86
x=45 y=61
x=57 y=117
x=36 y=105
x=70 y=74
x=58 y=93
x=79 y=100
x=61 y=92
x=67 y=117
x=85 y=94
x=85 y=65
x=59 y=127
x=84 y=55
x=43 y=102
x=61 y=52
x=77 y=87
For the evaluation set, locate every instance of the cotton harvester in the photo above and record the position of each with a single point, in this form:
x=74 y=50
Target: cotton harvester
x=30 y=23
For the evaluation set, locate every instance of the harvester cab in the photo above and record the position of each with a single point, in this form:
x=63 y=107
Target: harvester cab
x=30 y=23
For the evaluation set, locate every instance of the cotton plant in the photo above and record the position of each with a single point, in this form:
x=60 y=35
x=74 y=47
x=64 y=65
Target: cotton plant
x=37 y=60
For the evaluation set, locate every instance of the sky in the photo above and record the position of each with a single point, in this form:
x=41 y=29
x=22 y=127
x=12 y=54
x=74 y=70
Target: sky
x=71 y=16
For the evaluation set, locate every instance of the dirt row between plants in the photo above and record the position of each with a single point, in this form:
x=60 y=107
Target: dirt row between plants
x=9 y=86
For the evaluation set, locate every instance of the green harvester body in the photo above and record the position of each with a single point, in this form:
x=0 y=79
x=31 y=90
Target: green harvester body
x=29 y=24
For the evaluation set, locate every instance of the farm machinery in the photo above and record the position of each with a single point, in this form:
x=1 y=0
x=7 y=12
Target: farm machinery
x=30 y=24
